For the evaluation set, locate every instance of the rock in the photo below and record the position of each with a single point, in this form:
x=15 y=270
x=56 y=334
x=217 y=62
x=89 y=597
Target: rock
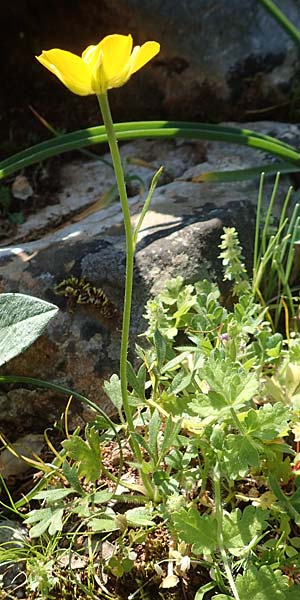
x=179 y=236
x=21 y=188
x=216 y=60
x=13 y=461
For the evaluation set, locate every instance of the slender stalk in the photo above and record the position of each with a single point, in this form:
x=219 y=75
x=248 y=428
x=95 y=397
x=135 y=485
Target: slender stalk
x=146 y=205
x=114 y=150
x=116 y=159
x=256 y=254
x=267 y=219
x=219 y=518
x=283 y=21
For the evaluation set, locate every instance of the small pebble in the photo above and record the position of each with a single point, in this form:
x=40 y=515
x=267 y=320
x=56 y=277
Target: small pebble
x=21 y=188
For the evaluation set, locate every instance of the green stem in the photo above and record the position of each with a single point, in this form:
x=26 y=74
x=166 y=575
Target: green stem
x=219 y=518
x=116 y=159
x=283 y=21
x=146 y=205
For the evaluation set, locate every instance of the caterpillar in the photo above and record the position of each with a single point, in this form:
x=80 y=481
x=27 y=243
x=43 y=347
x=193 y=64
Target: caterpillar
x=79 y=291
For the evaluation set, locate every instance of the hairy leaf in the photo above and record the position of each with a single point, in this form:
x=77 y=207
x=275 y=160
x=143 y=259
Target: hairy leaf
x=85 y=453
x=104 y=523
x=198 y=530
x=22 y=320
x=113 y=390
x=268 y=422
x=239 y=454
x=265 y=584
x=240 y=528
x=49 y=518
x=139 y=517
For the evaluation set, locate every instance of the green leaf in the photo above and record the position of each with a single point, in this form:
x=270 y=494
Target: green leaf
x=52 y=496
x=174 y=362
x=154 y=427
x=85 y=453
x=113 y=390
x=229 y=384
x=180 y=382
x=292 y=383
x=238 y=454
x=169 y=437
x=137 y=382
x=22 y=320
x=265 y=584
x=49 y=518
x=289 y=503
x=71 y=475
x=212 y=405
x=142 y=442
x=82 y=507
x=160 y=347
x=150 y=129
x=101 y=497
x=104 y=523
x=207 y=587
x=240 y=528
x=269 y=421
x=139 y=517
x=198 y=530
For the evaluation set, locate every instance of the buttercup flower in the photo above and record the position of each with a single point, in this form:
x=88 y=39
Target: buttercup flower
x=107 y=65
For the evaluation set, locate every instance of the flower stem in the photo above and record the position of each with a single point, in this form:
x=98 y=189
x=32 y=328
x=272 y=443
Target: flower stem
x=219 y=518
x=116 y=159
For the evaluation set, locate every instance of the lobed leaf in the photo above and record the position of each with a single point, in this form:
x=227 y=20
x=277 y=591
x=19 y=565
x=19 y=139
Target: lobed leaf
x=198 y=530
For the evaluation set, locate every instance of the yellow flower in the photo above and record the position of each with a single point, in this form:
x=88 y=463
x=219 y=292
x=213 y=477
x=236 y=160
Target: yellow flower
x=108 y=65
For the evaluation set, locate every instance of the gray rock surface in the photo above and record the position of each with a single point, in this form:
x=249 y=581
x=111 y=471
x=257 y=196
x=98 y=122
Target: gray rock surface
x=180 y=236
x=217 y=58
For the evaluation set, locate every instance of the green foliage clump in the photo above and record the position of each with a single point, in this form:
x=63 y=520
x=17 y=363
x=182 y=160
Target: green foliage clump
x=215 y=408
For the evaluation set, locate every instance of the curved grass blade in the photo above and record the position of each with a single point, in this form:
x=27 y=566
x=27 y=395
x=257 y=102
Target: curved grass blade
x=243 y=174
x=151 y=129
x=282 y=19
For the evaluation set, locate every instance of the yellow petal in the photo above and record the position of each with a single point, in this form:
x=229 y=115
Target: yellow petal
x=90 y=55
x=109 y=62
x=142 y=55
x=70 y=69
x=116 y=51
